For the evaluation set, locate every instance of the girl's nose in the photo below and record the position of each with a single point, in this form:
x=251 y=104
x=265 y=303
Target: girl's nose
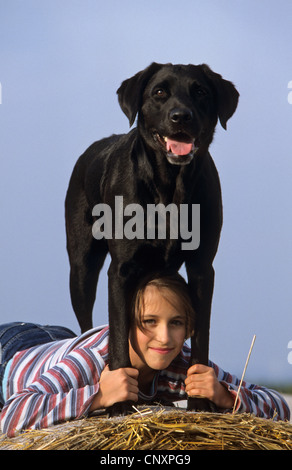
x=163 y=334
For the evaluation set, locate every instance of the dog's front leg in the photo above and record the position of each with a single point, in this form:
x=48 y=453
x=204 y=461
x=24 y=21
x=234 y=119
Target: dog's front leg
x=119 y=325
x=201 y=289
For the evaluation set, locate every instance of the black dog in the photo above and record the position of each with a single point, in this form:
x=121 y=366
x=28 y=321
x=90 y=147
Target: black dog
x=164 y=160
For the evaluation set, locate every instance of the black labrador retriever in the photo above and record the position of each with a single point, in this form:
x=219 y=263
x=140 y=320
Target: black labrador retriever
x=163 y=162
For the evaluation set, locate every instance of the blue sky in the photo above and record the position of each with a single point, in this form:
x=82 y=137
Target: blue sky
x=61 y=63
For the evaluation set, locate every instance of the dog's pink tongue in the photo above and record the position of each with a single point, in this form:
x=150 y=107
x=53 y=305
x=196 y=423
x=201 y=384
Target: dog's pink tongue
x=178 y=148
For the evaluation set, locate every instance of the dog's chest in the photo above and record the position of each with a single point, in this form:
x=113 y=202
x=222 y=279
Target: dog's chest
x=161 y=189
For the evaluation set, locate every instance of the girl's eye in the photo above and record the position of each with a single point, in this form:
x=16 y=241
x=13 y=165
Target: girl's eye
x=178 y=323
x=148 y=322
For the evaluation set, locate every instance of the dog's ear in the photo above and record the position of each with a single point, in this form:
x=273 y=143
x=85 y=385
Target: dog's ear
x=226 y=94
x=131 y=91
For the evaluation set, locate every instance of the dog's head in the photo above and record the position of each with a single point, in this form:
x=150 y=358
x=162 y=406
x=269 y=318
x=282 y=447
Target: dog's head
x=178 y=107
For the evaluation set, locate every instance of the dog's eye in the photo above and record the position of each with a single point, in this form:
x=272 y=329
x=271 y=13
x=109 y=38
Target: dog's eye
x=200 y=92
x=160 y=92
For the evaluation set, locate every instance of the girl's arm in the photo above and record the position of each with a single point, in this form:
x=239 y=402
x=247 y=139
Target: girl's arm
x=221 y=388
x=63 y=392
x=71 y=389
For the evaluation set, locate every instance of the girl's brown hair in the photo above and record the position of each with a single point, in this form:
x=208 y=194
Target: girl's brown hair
x=172 y=282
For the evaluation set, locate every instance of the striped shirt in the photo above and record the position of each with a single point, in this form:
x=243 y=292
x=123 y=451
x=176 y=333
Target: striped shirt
x=55 y=382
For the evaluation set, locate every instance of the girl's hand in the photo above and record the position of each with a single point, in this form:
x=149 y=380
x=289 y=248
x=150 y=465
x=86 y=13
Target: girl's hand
x=116 y=386
x=202 y=381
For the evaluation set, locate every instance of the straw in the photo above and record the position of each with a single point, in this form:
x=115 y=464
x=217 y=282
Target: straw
x=243 y=374
x=159 y=429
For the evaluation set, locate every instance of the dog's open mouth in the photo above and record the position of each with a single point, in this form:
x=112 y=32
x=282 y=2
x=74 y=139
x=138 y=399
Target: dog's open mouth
x=180 y=148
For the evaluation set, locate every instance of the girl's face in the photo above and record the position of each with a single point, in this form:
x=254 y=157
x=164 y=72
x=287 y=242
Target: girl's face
x=164 y=331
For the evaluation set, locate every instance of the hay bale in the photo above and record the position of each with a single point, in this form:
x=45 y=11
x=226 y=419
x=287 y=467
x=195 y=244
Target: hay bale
x=162 y=429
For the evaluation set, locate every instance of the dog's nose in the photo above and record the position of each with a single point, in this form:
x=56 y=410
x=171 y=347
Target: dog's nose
x=180 y=115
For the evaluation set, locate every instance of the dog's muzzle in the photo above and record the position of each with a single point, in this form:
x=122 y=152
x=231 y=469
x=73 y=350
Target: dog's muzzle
x=179 y=148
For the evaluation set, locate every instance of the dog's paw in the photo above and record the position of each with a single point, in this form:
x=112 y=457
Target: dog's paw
x=201 y=404
x=120 y=409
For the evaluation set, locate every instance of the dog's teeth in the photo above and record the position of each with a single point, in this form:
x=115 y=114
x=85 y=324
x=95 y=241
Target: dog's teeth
x=165 y=139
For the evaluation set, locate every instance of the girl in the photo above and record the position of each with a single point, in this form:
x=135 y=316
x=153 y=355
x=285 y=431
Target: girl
x=49 y=375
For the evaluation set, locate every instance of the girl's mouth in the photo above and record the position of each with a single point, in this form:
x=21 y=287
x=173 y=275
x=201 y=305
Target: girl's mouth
x=162 y=350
